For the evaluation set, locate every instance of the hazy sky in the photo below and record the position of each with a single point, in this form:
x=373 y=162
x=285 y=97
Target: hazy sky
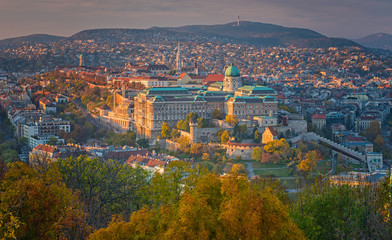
x=333 y=18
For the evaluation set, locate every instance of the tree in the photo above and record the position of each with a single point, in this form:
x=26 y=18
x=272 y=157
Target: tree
x=36 y=204
x=372 y=131
x=216 y=114
x=257 y=138
x=243 y=129
x=232 y=119
x=196 y=149
x=378 y=142
x=166 y=130
x=219 y=134
x=175 y=133
x=206 y=157
x=106 y=187
x=202 y=123
x=214 y=208
x=225 y=137
x=329 y=211
x=143 y=143
x=257 y=153
x=53 y=141
x=238 y=169
x=308 y=163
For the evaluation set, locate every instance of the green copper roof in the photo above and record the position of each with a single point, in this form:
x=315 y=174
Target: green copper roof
x=232 y=71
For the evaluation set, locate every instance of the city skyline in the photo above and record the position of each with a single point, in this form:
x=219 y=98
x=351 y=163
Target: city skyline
x=348 y=18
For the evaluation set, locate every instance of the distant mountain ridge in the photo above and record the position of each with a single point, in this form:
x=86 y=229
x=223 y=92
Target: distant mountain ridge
x=255 y=33
x=34 y=38
x=377 y=40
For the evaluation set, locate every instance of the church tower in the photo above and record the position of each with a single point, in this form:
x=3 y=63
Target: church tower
x=232 y=80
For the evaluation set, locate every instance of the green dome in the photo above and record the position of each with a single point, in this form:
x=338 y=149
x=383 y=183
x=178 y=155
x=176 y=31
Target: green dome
x=232 y=71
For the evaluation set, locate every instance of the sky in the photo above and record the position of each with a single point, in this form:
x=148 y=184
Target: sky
x=333 y=18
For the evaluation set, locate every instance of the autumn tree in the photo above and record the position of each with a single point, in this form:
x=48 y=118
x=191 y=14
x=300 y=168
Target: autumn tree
x=225 y=137
x=257 y=153
x=308 y=163
x=214 y=208
x=372 y=131
x=280 y=148
x=166 y=130
x=232 y=119
x=238 y=169
x=196 y=149
x=175 y=133
x=36 y=204
x=206 y=157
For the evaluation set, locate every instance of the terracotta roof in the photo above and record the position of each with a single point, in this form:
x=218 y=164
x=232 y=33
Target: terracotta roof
x=319 y=116
x=45 y=148
x=211 y=78
x=154 y=162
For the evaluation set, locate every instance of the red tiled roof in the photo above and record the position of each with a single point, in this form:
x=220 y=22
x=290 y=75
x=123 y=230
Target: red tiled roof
x=211 y=78
x=154 y=162
x=45 y=148
x=319 y=116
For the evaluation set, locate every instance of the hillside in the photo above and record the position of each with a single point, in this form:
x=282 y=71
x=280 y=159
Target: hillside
x=265 y=34
x=262 y=34
x=378 y=40
x=35 y=38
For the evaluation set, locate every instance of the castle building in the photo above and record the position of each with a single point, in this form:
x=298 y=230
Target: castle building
x=156 y=105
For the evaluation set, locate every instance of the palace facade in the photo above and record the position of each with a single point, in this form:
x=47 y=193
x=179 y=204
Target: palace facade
x=156 y=105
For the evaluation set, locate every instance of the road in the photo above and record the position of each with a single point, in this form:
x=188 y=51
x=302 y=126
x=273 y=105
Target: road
x=249 y=169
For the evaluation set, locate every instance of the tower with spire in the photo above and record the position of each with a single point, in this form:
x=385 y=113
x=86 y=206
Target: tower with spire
x=178 y=59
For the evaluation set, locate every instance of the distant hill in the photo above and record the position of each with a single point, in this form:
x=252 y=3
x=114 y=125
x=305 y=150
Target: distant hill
x=378 y=40
x=35 y=38
x=262 y=34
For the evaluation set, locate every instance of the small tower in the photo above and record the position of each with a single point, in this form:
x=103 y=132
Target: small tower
x=238 y=21
x=193 y=130
x=232 y=80
x=178 y=59
x=81 y=61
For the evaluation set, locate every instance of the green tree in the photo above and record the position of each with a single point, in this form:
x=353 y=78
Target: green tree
x=216 y=114
x=257 y=138
x=53 y=141
x=202 y=123
x=143 y=143
x=106 y=187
